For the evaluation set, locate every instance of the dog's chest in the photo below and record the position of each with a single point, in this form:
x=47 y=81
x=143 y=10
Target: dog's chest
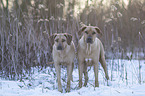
x=89 y=50
x=62 y=55
x=62 y=58
x=88 y=53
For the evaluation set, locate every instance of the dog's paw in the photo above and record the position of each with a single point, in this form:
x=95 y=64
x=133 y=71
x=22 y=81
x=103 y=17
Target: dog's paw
x=60 y=90
x=109 y=83
x=78 y=87
x=67 y=90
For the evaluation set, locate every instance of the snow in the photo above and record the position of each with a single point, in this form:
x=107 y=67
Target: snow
x=124 y=75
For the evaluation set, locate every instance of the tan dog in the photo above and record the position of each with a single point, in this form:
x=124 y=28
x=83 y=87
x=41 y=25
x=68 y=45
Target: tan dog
x=63 y=53
x=90 y=52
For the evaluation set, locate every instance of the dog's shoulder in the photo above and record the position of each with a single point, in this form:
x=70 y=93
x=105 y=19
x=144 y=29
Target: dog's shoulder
x=81 y=41
x=97 y=42
x=72 y=46
x=54 y=51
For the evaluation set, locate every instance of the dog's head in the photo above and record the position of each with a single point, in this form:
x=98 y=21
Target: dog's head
x=89 y=33
x=61 y=40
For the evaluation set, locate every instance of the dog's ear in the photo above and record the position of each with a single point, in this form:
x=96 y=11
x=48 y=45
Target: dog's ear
x=98 y=31
x=81 y=30
x=51 y=39
x=69 y=38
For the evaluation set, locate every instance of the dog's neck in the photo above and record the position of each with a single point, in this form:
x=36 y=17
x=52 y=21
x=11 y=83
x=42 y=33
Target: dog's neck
x=88 y=49
x=87 y=46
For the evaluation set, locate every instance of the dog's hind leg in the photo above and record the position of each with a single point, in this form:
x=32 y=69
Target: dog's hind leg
x=103 y=63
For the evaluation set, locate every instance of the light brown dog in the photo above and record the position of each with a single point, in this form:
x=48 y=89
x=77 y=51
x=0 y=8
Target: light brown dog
x=90 y=51
x=63 y=53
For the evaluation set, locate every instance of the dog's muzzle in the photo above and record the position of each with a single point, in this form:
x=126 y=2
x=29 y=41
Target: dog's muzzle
x=59 y=47
x=89 y=40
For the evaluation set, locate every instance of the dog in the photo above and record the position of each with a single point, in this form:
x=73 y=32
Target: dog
x=63 y=53
x=89 y=52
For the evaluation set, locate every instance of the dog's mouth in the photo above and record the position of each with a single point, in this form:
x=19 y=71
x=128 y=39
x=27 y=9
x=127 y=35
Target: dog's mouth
x=89 y=40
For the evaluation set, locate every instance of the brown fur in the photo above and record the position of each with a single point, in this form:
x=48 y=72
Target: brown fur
x=65 y=56
x=89 y=54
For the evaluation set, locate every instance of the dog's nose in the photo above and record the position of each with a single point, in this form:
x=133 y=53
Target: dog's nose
x=89 y=40
x=59 y=47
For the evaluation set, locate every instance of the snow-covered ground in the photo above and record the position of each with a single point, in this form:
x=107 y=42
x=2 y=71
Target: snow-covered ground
x=124 y=75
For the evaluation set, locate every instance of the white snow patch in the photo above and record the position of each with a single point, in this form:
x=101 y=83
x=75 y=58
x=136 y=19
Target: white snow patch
x=124 y=82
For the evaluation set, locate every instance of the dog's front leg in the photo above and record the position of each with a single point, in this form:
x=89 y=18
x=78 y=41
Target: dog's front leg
x=69 y=75
x=58 y=73
x=85 y=74
x=96 y=69
x=72 y=72
x=81 y=68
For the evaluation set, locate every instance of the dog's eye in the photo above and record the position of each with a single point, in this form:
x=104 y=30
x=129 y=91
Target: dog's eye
x=86 y=32
x=56 y=40
x=94 y=33
x=63 y=40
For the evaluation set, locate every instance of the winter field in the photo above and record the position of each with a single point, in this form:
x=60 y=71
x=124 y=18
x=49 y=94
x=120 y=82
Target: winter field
x=126 y=79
